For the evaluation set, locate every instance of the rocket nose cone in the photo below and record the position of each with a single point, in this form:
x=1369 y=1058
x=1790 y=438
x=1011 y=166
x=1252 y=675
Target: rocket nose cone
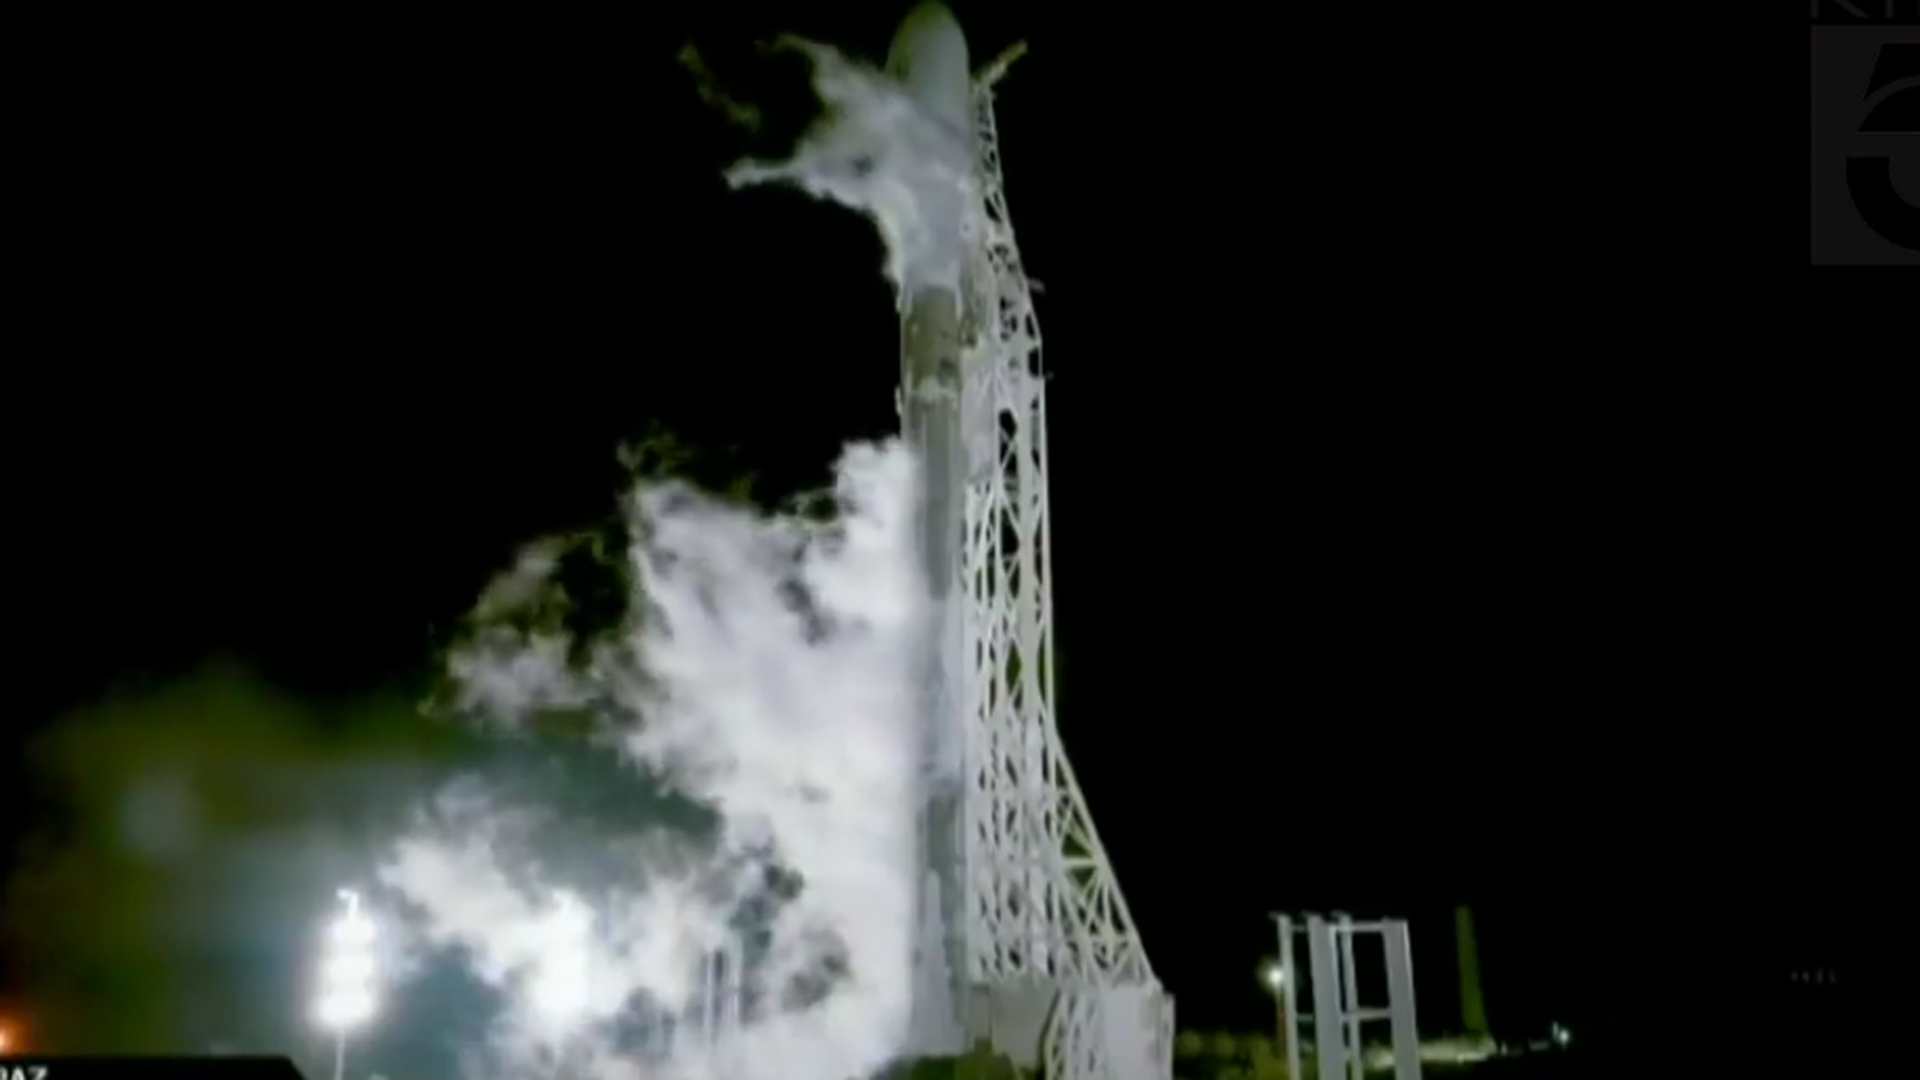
x=929 y=55
x=928 y=25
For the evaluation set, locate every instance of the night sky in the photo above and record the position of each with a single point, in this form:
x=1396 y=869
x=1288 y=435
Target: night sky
x=1444 y=514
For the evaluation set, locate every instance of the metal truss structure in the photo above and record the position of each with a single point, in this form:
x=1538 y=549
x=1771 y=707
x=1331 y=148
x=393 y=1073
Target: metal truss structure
x=1047 y=928
x=1338 y=1013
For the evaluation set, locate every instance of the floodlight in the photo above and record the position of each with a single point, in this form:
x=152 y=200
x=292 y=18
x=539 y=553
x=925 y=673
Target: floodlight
x=348 y=978
x=1272 y=975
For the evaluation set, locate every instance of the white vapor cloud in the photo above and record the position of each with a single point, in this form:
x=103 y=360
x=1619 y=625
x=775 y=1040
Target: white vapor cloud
x=879 y=152
x=767 y=676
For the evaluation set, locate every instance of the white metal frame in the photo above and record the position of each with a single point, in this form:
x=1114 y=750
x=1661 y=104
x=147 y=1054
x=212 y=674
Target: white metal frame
x=1042 y=905
x=1338 y=1015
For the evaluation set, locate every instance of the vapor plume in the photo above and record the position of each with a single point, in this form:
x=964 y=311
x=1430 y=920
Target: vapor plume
x=877 y=151
x=763 y=676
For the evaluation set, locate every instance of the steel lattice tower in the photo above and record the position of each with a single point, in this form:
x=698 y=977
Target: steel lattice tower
x=1026 y=940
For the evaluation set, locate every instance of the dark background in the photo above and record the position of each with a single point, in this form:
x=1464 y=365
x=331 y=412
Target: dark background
x=1463 y=492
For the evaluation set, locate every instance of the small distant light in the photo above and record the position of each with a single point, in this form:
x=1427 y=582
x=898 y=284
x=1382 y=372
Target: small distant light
x=1561 y=1036
x=1271 y=975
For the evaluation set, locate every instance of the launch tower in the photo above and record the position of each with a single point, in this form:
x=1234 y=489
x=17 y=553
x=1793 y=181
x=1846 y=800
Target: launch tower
x=1025 y=939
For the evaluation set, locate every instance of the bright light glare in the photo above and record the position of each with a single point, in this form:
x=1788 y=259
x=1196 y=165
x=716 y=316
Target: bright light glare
x=349 y=970
x=354 y=931
x=559 y=988
x=342 y=1009
x=559 y=995
x=1271 y=975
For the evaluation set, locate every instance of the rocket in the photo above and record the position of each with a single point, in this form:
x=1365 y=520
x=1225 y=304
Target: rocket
x=929 y=58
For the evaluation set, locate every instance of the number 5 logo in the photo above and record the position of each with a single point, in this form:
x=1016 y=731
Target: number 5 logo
x=1897 y=112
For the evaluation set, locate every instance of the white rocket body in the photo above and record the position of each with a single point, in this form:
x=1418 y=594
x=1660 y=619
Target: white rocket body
x=929 y=58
